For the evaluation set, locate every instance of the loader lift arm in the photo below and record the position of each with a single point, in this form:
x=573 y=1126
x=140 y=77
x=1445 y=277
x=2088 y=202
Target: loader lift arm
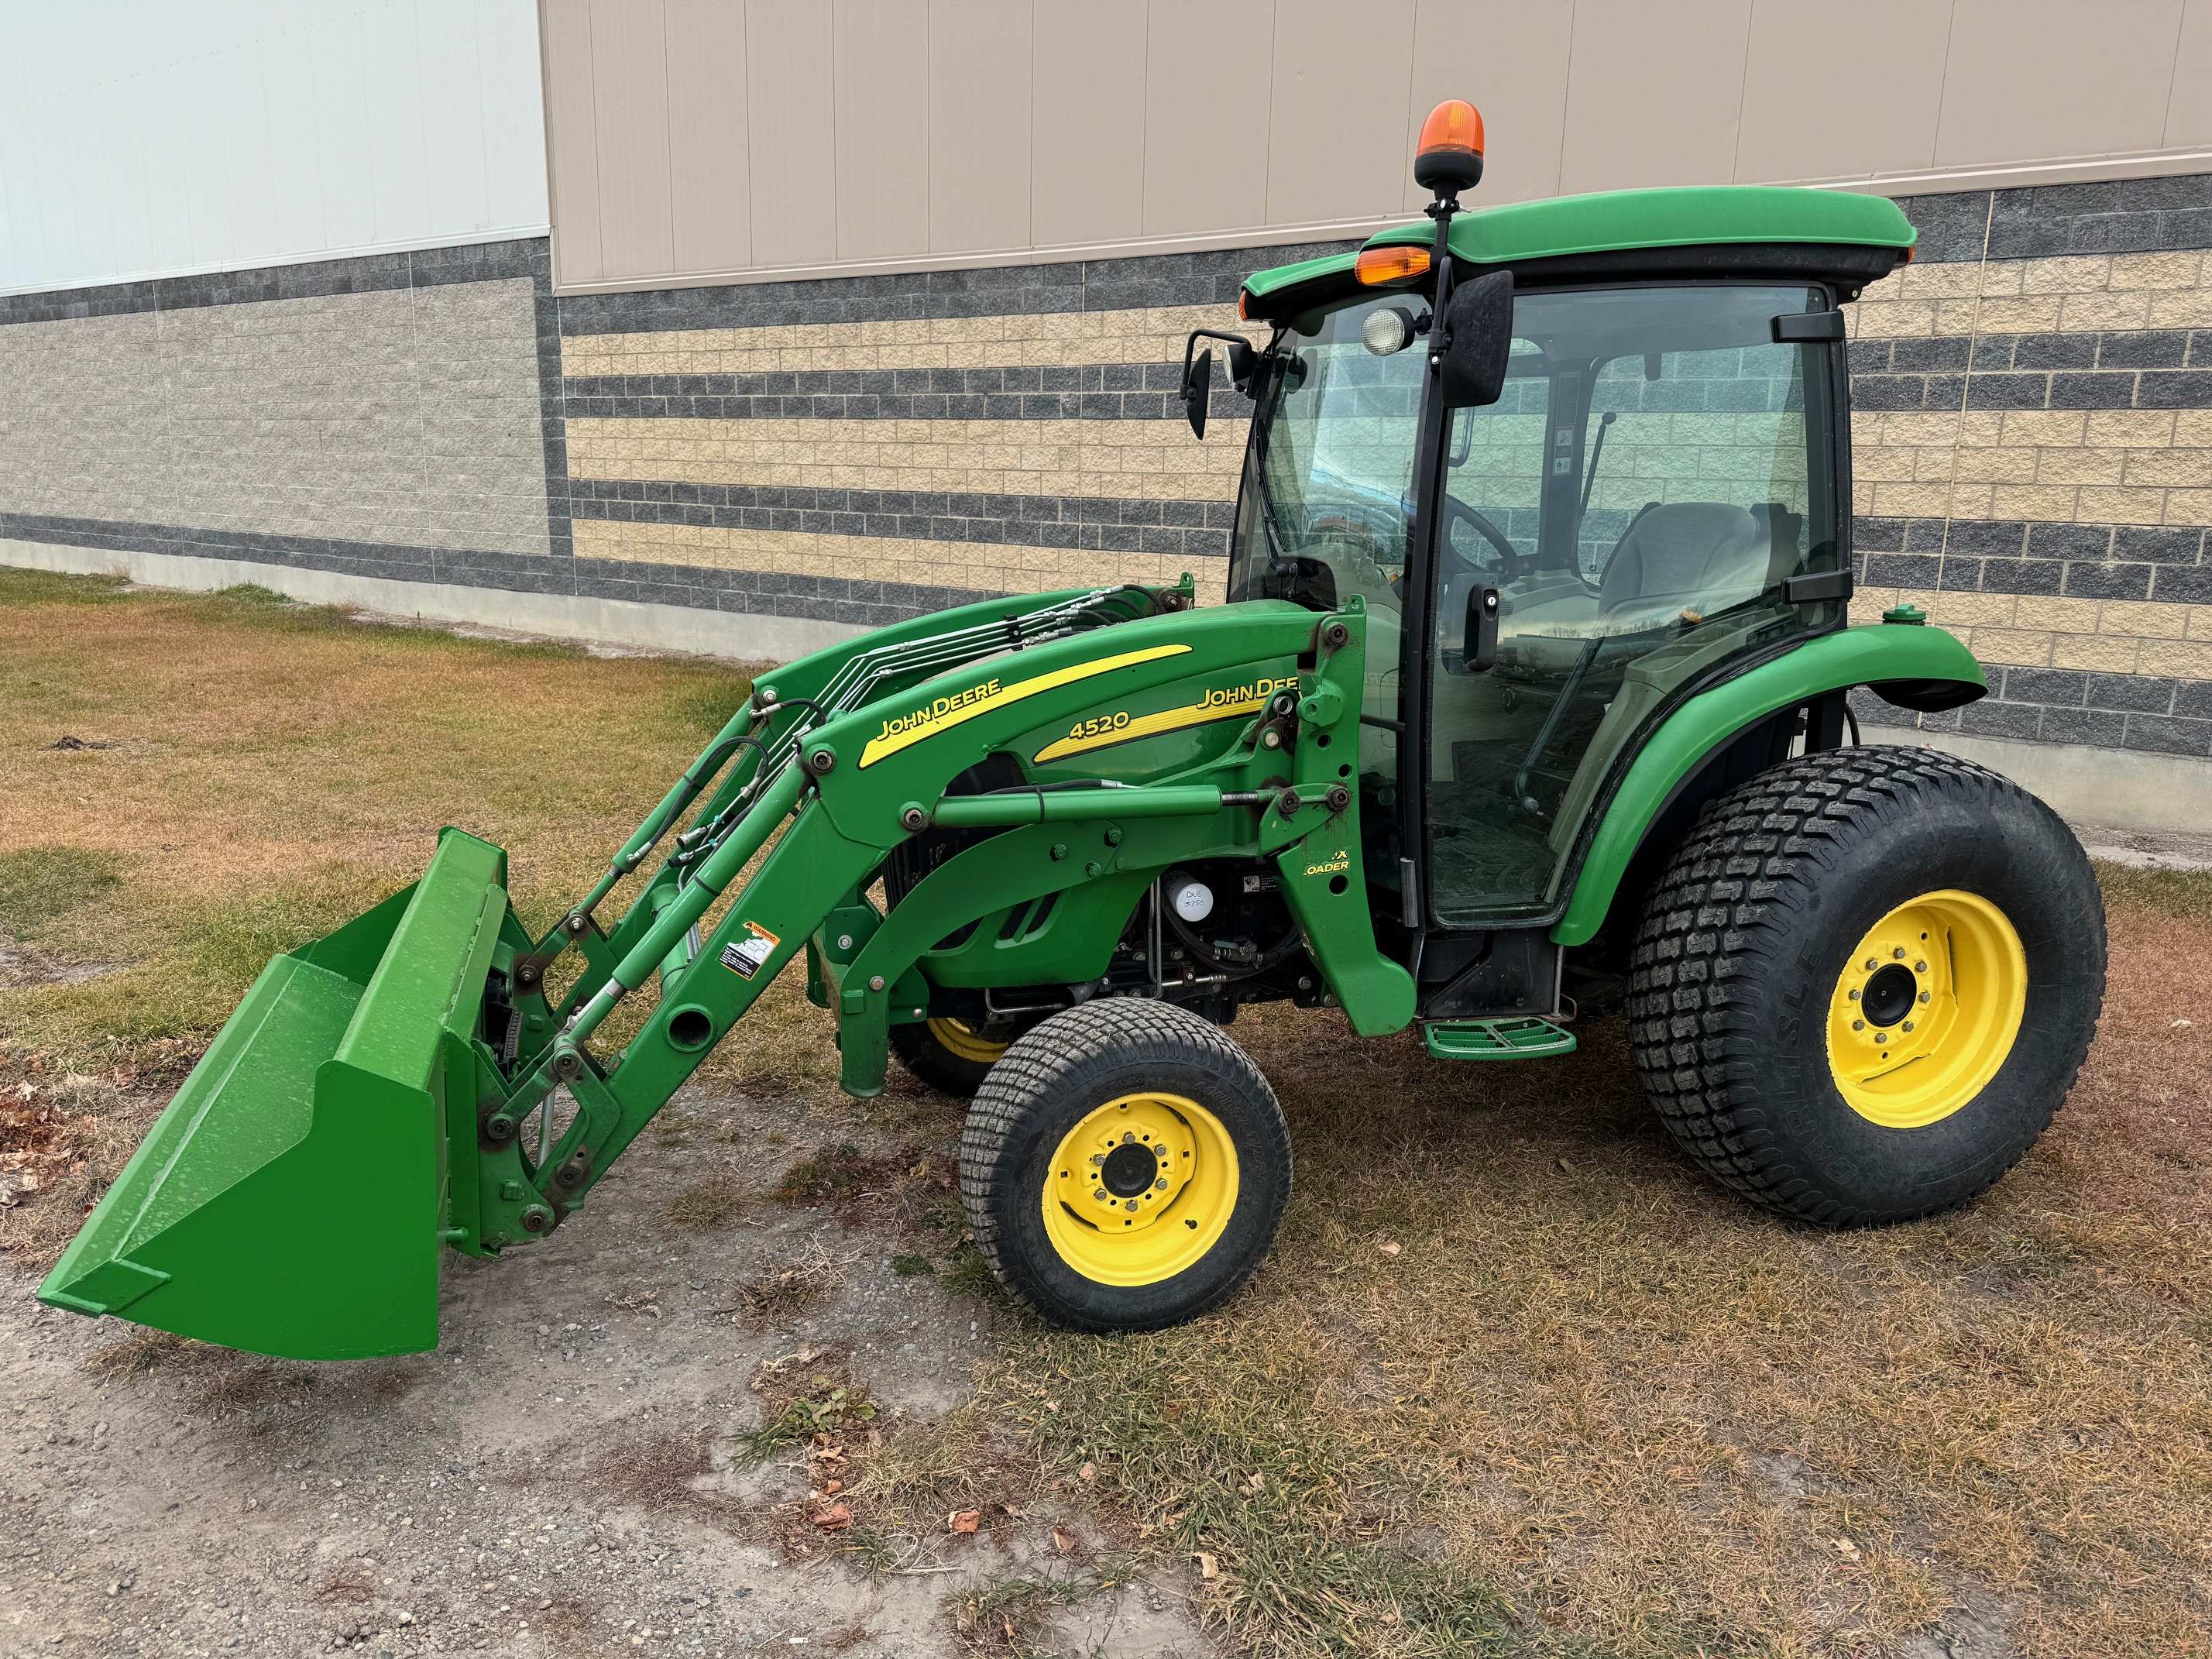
x=845 y=783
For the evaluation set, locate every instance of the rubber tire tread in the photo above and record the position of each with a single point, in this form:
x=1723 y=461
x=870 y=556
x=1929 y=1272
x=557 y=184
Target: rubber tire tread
x=1727 y=1003
x=1069 y=1056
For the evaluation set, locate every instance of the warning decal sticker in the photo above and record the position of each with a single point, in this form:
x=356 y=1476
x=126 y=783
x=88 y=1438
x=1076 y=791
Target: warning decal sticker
x=745 y=957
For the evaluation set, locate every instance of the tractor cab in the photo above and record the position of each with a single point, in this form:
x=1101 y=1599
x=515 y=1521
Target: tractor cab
x=1576 y=458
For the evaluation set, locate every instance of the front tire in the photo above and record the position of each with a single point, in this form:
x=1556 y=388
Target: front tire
x=1866 y=982
x=949 y=1055
x=1124 y=1167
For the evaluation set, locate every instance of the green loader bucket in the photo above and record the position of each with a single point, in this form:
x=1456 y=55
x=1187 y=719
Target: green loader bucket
x=292 y=1200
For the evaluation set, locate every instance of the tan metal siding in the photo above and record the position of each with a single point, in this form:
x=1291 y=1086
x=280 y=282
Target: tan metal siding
x=712 y=140
x=881 y=62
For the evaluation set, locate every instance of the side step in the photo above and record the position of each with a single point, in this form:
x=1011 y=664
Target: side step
x=1496 y=1039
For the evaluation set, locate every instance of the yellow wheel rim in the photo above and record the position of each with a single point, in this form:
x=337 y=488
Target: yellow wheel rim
x=1926 y=1009
x=1140 y=1189
x=958 y=1037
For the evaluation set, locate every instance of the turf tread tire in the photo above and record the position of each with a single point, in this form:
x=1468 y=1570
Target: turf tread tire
x=1765 y=868
x=1068 y=1056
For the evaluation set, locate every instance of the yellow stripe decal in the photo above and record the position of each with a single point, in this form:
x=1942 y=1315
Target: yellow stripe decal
x=1150 y=725
x=961 y=707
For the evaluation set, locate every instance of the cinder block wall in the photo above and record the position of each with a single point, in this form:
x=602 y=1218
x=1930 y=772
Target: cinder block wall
x=2033 y=437
x=2032 y=449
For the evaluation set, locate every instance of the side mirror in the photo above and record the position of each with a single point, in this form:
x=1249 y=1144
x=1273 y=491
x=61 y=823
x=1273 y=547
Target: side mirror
x=1478 y=649
x=1197 y=371
x=1480 y=322
x=1197 y=389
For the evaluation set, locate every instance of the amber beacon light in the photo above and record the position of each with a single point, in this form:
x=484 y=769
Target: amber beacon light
x=1448 y=159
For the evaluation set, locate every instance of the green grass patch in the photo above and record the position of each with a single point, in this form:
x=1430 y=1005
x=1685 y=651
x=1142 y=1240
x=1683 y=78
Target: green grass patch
x=40 y=884
x=26 y=587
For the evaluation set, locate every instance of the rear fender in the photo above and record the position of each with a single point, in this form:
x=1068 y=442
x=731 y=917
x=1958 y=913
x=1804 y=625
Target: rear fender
x=1900 y=661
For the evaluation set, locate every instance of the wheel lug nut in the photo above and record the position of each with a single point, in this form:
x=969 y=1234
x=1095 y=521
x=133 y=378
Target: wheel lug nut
x=1899 y=953
x=1919 y=967
x=1923 y=996
x=1858 y=1025
x=1101 y=1196
x=1131 y=1205
x=1855 y=996
x=1908 y=1025
x=1872 y=964
x=1881 y=1037
x=1161 y=1185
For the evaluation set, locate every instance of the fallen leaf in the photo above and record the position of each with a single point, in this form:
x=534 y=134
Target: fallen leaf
x=1088 y=1472
x=833 y=1487
x=1566 y=1168
x=1390 y=1247
x=964 y=1520
x=1845 y=1548
x=1209 y=1565
x=1062 y=1540
x=835 y=1518
x=1255 y=1481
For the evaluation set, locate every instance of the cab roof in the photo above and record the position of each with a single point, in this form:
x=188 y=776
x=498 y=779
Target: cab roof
x=1722 y=230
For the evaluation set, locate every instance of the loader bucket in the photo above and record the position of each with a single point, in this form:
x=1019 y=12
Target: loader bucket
x=291 y=1199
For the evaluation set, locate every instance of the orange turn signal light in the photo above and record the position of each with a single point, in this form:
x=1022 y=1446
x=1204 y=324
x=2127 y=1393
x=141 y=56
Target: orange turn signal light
x=1447 y=158
x=1244 y=304
x=1380 y=267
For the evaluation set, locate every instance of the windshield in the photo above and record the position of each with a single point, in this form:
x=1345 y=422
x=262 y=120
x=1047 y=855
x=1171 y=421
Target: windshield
x=1329 y=478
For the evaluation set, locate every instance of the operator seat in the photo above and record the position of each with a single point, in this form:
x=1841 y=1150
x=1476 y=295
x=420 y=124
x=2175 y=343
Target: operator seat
x=1699 y=555
x=1674 y=556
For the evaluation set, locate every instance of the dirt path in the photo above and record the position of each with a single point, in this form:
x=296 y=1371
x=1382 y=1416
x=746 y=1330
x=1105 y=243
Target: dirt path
x=564 y=1475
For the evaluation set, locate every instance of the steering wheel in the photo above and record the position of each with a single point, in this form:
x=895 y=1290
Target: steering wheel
x=1456 y=509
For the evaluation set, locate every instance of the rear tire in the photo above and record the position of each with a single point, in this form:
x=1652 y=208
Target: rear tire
x=1796 y=1037
x=949 y=1055
x=1124 y=1167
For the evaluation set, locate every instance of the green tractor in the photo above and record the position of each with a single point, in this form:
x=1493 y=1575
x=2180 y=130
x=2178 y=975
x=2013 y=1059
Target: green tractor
x=1529 y=698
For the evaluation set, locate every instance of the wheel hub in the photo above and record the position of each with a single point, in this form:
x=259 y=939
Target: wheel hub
x=1129 y=1168
x=1890 y=994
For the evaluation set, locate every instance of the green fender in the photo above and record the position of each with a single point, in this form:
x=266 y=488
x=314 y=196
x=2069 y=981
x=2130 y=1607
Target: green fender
x=1876 y=653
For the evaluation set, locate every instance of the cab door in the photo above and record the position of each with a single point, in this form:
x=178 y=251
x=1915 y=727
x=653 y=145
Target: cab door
x=1638 y=500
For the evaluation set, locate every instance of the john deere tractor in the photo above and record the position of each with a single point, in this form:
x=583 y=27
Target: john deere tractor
x=1529 y=698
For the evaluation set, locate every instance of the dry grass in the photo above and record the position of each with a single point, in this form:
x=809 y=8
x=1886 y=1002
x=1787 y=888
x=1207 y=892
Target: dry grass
x=1593 y=1405
x=272 y=770
x=1590 y=1406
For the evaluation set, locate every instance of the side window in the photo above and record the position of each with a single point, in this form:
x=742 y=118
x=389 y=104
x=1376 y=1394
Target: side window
x=1699 y=490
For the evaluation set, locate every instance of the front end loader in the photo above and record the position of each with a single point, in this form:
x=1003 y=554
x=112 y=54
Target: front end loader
x=1529 y=699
